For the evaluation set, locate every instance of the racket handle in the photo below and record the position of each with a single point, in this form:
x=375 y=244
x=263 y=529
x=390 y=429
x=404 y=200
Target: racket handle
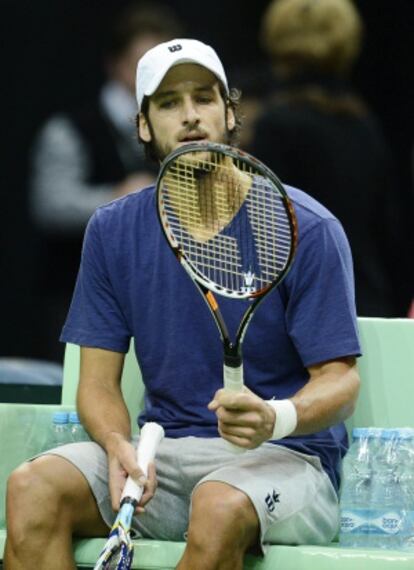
x=150 y=436
x=233 y=380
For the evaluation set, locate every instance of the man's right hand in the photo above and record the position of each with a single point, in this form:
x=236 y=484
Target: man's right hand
x=122 y=463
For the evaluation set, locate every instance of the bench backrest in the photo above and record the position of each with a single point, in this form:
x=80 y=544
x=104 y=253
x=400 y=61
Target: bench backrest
x=386 y=369
x=387 y=373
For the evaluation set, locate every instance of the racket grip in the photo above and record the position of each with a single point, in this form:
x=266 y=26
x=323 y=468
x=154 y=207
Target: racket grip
x=233 y=380
x=150 y=436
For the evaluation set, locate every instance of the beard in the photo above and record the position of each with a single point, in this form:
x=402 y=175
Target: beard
x=158 y=152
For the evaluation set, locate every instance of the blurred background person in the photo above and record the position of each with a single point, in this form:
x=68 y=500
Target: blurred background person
x=89 y=156
x=318 y=134
x=255 y=84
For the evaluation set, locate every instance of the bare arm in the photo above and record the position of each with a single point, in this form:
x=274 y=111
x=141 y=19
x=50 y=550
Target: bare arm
x=99 y=398
x=105 y=415
x=328 y=398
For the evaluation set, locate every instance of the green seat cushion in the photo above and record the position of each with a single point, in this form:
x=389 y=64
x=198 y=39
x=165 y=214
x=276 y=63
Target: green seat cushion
x=155 y=554
x=159 y=555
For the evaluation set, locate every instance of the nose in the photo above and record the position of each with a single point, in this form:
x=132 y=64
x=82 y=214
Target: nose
x=190 y=113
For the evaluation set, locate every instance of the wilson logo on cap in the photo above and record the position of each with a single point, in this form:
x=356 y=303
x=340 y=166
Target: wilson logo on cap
x=176 y=47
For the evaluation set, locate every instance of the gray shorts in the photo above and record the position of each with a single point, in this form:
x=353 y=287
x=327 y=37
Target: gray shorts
x=293 y=496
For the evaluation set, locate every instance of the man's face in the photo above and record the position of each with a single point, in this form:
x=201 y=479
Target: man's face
x=187 y=107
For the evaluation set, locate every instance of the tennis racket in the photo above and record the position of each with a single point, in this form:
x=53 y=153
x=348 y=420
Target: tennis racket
x=231 y=225
x=118 y=551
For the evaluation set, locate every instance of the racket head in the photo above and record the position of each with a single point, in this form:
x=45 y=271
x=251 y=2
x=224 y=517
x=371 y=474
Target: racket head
x=228 y=219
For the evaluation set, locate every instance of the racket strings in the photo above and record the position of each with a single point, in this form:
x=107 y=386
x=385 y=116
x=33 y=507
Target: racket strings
x=203 y=199
x=228 y=219
x=204 y=203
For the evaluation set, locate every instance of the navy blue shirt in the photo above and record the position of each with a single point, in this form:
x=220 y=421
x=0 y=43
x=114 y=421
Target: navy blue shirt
x=131 y=285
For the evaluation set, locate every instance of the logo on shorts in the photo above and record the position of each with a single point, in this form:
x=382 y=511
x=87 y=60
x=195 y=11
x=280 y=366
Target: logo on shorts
x=271 y=500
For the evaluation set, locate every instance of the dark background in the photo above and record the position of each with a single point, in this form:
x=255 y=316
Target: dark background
x=51 y=60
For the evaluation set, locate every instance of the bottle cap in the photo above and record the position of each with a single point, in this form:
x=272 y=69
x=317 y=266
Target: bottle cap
x=357 y=433
x=388 y=434
x=60 y=417
x=374 y=432
x=74 y=418
x=406 y=433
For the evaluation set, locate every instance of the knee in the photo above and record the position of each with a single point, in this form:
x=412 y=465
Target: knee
x=225 y=514
x=32 y=500
x=28 y=484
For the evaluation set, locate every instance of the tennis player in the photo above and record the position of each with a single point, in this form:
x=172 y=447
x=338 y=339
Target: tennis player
x=299 y=360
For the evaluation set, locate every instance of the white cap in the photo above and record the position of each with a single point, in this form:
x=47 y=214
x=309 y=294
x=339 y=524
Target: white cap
x=156 y=62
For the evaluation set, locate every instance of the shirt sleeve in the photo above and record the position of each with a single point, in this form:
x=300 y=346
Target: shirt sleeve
x=95 y=317
x=320 y=306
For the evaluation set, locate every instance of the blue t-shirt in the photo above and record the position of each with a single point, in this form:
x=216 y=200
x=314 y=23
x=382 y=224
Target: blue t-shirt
x=131 y=285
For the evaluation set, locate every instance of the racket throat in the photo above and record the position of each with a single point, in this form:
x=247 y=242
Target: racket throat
x=232 y=354
x=233 y=368
x=129 y=501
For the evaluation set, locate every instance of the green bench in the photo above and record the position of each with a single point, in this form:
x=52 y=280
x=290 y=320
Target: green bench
x=386 y=399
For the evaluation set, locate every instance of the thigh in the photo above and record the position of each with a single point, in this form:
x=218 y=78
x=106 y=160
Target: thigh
x=84 y=468
x=166 y=515
x=49 y=488
x=293 y=496
x=181 y=464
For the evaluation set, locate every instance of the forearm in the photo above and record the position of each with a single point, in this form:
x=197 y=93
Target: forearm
x=327 y=399
x=99 y=399
x=104 y=413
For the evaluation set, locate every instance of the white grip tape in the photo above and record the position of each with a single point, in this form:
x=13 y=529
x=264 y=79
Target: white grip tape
x=150 y=436
x=286 y=418
x=233 y=378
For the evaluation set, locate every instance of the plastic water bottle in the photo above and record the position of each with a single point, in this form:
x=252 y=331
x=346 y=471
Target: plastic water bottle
x=60 y=429
x=387 y=498
x=77 y=431
x=356 y=490
x=406 y=476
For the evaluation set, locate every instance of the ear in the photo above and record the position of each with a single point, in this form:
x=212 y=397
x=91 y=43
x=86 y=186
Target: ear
x=230 y=118
x=144 y=130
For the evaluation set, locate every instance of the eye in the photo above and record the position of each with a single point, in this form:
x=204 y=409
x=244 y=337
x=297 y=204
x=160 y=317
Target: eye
x=204 y=99
x=167 y=104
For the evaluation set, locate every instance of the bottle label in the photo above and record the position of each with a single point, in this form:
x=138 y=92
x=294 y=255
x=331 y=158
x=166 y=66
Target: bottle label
x=355 y=521
x=386 y=523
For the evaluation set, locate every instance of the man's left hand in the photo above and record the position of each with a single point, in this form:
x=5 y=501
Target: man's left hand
x=243 y=418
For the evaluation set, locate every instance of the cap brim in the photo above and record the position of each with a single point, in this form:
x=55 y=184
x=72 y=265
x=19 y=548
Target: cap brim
x=158 y=77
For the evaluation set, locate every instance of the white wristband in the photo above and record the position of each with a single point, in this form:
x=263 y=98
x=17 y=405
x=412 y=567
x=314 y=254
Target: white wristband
x=286 y=418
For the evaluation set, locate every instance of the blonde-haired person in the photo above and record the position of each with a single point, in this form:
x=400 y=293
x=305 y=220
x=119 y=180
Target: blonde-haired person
x=317 y=133
x=325 y=34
